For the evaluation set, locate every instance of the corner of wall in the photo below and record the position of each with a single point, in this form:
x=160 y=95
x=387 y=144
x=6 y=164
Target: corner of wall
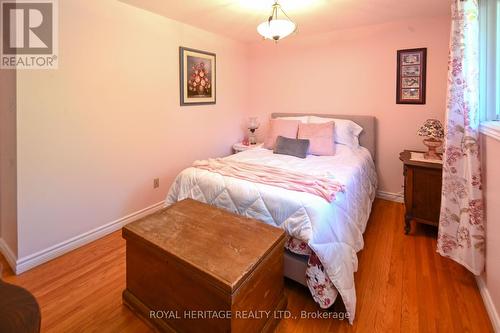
x=488 y=283
x=8 y=165
x=488 y=303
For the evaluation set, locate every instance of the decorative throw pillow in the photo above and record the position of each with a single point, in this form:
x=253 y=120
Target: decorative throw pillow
x=346 y=131
x=320 y=137
x=277 y=127
x=292 y=147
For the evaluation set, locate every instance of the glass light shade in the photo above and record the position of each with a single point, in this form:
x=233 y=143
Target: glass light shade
x=276 y=29
x=253 y=123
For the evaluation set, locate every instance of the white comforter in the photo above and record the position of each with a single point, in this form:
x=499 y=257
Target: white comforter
x=332 y=230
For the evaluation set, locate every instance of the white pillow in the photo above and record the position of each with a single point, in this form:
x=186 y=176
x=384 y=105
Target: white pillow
x=346 y=132
x=302 y=119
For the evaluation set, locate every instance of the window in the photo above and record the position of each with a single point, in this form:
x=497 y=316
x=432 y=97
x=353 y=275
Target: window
x=489 y=20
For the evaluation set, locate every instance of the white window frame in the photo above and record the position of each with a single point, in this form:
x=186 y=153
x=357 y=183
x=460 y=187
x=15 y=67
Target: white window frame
x=489 y=99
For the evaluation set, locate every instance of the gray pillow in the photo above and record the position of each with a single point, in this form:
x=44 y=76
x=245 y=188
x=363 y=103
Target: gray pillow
x=292 y=147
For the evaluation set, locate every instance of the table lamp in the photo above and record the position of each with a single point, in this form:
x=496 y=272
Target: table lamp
x=433 y=132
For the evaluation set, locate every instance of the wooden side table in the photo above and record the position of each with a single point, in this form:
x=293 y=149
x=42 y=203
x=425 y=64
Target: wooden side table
x=422 y=191
x=239 y=147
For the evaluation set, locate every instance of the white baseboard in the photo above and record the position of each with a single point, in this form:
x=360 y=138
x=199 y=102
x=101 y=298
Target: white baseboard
x=396 y=197
x=488 y=303
x=8 y=254
x=40 y=257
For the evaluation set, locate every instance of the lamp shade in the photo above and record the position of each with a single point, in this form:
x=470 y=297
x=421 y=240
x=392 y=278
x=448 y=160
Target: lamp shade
x=253 y=123
x=432 y=128
x=276 y=29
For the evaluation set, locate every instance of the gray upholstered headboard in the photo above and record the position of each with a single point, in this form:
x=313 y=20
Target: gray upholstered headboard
x=366 y=138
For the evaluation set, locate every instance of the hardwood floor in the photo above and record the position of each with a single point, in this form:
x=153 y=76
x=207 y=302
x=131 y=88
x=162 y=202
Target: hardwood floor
x=402 y=285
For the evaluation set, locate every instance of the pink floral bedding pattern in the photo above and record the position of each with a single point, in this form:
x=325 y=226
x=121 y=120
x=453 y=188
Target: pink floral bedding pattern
x=297 y=246
x=322 y=289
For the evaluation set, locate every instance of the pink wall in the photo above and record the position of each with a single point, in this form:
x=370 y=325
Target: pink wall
x=354 y=72
x=93 y=134
x=491 y=165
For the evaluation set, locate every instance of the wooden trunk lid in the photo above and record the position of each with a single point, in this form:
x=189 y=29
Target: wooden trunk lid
x=223 y=246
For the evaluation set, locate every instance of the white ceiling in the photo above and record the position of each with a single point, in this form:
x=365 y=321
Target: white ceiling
x=238 y=19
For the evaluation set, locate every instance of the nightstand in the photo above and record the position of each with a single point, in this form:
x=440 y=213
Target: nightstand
x=422 y=190
x=239 y=147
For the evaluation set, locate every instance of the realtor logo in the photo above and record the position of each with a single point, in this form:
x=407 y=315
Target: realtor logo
x=29 y=34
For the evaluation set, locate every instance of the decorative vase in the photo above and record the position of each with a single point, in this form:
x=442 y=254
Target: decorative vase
x=432 y=146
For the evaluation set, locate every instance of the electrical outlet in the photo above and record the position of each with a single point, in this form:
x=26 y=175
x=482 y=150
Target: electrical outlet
x=156 y=182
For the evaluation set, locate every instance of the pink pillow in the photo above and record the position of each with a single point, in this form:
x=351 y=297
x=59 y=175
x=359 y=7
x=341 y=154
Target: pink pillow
x=281 y=127
x=320 y=137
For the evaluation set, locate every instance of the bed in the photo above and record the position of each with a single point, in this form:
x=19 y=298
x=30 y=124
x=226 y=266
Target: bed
x=324 y=237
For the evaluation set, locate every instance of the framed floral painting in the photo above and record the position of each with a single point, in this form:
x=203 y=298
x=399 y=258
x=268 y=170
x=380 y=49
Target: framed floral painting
x=197 y=76
x=411 y=76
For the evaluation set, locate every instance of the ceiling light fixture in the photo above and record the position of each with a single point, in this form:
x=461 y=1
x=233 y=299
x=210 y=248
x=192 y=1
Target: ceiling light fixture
x=276 y=28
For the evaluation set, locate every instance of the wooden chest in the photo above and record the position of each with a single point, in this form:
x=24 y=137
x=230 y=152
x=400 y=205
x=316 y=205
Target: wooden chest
x=195 y=268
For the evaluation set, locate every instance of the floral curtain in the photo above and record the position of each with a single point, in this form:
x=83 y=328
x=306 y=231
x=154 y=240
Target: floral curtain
x=461 y=227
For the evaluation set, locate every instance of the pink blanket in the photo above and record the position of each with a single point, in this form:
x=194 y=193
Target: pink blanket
x=287 y=179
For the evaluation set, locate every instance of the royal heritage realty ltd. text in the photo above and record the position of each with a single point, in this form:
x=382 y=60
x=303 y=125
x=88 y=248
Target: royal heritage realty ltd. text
x=256 y=314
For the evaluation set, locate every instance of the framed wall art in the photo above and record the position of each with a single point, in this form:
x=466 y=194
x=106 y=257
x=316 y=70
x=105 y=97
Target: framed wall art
x=411 y=76
x=197 y=77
